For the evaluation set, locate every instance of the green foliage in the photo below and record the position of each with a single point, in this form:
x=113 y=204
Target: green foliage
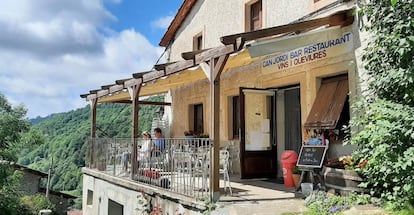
x=36 y=203
x=12 y=125
x=386 y=142
x=389 y=55
x=10 y=203
x=387 y=116
x=65 y=136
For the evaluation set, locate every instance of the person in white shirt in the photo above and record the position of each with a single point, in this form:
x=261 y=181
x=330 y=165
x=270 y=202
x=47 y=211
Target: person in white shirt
x=145 y=151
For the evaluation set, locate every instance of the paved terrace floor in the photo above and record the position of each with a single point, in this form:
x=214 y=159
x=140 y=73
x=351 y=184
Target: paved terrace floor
x=257 y=196
x=264 y=197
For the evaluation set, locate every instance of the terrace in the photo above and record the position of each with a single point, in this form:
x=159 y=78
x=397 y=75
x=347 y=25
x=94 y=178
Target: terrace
x=183 y=167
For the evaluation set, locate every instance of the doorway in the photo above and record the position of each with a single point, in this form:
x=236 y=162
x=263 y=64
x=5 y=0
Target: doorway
x=270 y=124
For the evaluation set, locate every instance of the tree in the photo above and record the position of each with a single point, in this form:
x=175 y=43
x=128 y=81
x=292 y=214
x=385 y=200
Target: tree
x=386 y=115
x=12 y=125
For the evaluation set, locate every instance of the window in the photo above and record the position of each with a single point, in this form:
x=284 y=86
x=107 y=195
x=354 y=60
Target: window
x=236 y=116
x=89 y=197
x=114 y=208
x=254 y=16
x=198 y=42
x=196 y=118
x=329 y=104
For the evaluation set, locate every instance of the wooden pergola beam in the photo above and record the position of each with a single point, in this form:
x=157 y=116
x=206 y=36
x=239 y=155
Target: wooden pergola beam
x=90 y=97
x=179 y=66
x=105 y=87
x=101 y=93
x=162 y=66
x=145 y=103
x=153 y=75
x=139 y=74
x=340 y=18
x=132 y=82
x=121 y=81
x=116 y=88
x=213 y=53
x=192 y=54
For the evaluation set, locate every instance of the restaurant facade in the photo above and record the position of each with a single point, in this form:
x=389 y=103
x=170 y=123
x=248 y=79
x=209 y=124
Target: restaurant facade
x=259 y=92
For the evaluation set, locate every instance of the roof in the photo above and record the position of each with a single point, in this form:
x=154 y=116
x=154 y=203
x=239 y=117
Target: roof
x=177 y=21
x=23 y=168
x=59 y=193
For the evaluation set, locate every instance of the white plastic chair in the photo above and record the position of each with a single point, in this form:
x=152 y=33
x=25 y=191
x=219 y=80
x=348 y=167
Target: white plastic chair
x=224 y=168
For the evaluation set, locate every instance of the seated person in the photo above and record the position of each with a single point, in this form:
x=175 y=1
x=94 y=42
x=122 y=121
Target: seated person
x=144 y=152
x=159 y=142
x=126 y=156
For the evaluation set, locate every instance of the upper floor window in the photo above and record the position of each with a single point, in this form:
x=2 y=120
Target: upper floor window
x=196 y=118
x=198 y=42
x=254 y=16
x=236 y=116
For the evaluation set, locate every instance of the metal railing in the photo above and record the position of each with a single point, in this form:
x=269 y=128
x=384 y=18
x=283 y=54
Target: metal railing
x=180 y=165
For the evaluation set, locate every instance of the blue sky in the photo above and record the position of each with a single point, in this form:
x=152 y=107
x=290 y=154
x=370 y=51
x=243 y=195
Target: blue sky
x=52 y=51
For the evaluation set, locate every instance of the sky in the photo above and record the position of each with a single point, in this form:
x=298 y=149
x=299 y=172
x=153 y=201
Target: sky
x=51 y=51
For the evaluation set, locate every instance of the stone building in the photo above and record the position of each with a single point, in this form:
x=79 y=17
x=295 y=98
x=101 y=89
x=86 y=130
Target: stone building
x=33 y=183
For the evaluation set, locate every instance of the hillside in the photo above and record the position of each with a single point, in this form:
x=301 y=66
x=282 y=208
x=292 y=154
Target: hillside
x=66 y=134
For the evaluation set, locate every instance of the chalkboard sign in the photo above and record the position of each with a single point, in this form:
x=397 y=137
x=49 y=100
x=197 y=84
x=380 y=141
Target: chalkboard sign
x=312 y=156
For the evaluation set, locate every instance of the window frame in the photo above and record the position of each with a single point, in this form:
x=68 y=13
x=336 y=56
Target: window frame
x=197 y=118
x=249 y=17
x=236 y=123
x=198 y=42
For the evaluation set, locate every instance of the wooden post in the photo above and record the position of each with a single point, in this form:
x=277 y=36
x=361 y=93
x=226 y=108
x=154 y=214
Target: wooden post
x=134 y=93
x=216 y=67
x=93 y=103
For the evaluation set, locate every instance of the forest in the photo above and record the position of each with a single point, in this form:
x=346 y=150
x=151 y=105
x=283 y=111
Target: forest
x=65 y=139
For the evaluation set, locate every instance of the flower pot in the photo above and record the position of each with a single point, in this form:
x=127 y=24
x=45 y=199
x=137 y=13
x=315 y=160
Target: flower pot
x=296 y=178
x=342 y=181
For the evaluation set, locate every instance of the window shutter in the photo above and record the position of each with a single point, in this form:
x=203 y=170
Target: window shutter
x=328 y=104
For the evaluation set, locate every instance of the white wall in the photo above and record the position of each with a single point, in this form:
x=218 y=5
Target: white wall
x=102 y=191
x=135 y=200
x=217 y=18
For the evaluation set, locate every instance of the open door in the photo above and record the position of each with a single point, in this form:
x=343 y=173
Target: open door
x=257 y=138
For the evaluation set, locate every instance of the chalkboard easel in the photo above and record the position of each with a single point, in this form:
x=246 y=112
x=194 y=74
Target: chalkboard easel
x=311 y=157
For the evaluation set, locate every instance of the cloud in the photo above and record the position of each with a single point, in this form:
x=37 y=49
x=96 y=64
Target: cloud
x=162 y=22
x=49 y=58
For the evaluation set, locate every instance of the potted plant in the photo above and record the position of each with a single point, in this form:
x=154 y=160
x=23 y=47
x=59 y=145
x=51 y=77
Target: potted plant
x=296 y=175
x=340 y=174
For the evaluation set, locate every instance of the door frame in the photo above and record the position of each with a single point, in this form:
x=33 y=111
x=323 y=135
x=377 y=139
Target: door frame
x=272 y=153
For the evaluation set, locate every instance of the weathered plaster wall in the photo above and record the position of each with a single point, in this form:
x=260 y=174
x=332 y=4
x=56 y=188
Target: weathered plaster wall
x=217 y=18
x=182 y=100
x=132 y=199
x=30 y=183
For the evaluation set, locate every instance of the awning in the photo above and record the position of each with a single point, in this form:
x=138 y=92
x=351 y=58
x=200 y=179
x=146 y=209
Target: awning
x=287 y=43
x=328 y=104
